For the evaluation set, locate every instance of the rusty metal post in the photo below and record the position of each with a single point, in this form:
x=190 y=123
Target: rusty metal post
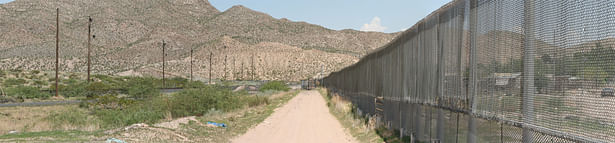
x=89 y=40
x=57 y=46
x=163 y=62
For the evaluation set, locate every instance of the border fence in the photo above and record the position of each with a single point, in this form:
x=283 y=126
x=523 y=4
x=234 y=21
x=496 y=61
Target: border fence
x=495 y=71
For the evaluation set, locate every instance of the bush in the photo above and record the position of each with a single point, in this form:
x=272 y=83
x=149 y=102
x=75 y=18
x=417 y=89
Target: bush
x=255 y=101
x=40 y=83
x=74 y=89
x=97 y=88
x=195 y=84
x=136 y=114
x=198 y=101
x=141 y=88
x=275 y=85
x=71 y=118
x=12 y=82
x=26 y=92
x=111 y=101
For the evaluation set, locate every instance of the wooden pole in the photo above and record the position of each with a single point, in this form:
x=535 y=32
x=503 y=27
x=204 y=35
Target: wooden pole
x=163 y=55
x=191 y=51
x=225 y=71
x=57 y=46
x=89 y=39
x=210 y=66
x=252 y=63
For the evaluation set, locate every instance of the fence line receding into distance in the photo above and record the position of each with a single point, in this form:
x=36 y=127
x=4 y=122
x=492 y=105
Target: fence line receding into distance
x=495 y=71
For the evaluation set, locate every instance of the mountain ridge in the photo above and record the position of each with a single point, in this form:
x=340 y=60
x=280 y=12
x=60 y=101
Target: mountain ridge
x=129 y=36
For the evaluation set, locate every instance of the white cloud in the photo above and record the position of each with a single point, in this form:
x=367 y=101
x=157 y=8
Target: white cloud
x=374 y=26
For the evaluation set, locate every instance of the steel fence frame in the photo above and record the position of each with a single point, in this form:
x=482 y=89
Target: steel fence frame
x=511 y=70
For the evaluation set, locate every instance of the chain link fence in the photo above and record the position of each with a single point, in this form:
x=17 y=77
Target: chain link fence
x=495 y=71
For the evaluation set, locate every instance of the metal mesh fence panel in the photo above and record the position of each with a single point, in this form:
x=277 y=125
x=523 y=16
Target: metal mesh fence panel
x=494 y=71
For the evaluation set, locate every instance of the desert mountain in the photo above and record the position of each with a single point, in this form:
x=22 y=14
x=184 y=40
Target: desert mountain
x=129 y=35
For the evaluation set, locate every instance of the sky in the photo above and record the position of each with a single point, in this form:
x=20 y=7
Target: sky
x=366 y=15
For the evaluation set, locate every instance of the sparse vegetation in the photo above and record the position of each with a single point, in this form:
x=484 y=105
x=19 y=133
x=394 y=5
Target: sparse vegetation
x=358 y=126
x=72 y=118
x=26 y=92
x=141 y=88
x=14 y=82
x=275 y=85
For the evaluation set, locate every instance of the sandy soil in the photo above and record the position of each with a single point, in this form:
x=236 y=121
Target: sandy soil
x=305 y=119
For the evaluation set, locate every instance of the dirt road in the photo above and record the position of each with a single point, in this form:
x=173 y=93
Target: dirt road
x=305 y=119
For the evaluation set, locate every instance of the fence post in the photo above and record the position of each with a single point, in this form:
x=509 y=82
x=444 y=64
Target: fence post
x=472 y=96
x=528 y=71
x=439 y=76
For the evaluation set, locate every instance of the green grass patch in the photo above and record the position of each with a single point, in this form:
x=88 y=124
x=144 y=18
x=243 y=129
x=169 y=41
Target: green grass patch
x=275 y=85
x=26 y=92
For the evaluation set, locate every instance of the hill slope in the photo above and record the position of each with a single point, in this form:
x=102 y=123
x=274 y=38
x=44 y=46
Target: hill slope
x=129 y=36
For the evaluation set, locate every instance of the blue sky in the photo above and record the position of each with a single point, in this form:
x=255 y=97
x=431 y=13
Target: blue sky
x=371 y=15
x=367 y=15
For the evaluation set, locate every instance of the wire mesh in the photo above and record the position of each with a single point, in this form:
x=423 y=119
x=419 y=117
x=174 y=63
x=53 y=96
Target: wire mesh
x=523 y=71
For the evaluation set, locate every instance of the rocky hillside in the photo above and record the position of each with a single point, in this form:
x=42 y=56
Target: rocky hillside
x=129 y=36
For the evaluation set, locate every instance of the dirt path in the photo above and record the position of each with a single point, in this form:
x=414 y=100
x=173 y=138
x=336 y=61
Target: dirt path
x=305 y=118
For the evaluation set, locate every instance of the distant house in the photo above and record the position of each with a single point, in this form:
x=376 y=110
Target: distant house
x=507 y=80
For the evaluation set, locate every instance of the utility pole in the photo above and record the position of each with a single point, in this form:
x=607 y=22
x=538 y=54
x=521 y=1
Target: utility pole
x=163 y=55
x=242 y=74
x=225 y=70
x=57 y=45
x=89 y=39
x=233 y=69
x=191 y=51
x=252 y=67
x=210 y=66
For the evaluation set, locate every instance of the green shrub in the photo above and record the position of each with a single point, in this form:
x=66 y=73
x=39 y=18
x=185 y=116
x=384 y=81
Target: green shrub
x=199 y=101
x=177 y=82
x=13 y=81
x=26 y=92
x=195 y=84
x=120 y=118
x=255 y=100
x=40 y=83
x=74 y=89
x=111 y=101
x=141 y=88
x=72 y=117
x=275 y=85
x=98 y=88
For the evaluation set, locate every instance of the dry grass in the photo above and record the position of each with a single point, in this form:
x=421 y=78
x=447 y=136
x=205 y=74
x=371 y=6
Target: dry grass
x=34 y=119
x=362 y=130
